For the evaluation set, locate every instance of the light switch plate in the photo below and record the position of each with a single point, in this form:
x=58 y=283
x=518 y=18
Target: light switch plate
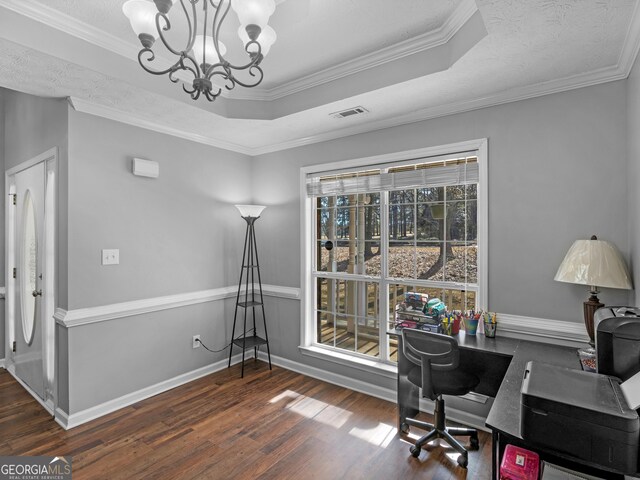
x=110 y=256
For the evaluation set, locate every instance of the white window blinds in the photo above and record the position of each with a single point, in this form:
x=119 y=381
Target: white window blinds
x=458 y=171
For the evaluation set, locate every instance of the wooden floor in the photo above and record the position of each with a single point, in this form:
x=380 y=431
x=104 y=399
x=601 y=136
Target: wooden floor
x=269 y=425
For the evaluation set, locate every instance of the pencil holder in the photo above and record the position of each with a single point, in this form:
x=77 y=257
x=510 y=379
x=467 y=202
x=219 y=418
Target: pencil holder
x=446 y=329
x=470 y=326
x=490 y=329
x=455 y=326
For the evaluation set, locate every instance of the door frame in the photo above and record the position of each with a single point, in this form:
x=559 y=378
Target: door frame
x=49 y=286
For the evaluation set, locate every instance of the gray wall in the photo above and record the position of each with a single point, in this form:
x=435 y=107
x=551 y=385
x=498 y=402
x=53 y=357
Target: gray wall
x=33 y=125
x=177 y=233
x=557 y=173
x=560 y=161
x=633 y=135
x=2 y=269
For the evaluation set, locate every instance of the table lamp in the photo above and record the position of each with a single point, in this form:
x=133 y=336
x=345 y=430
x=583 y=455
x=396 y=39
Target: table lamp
x=595 y=263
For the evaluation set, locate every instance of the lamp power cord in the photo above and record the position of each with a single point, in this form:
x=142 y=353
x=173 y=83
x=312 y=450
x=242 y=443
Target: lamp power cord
x=223 y=348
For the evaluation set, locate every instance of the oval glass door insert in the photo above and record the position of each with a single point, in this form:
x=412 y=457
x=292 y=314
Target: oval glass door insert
x=28 y=264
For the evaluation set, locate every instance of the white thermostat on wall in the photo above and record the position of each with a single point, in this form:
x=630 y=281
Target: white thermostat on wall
x=145 y=168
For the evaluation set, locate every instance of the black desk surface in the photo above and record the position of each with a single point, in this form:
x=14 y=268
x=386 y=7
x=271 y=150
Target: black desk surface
x=500 y=363
x=499 y=346
x=505 y=412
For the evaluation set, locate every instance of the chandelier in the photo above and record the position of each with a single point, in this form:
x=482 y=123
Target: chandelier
x=202 y=58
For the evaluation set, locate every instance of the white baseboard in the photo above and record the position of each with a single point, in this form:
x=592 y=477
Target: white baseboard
x=2 y=363
x=383 y=393
x=67 y=421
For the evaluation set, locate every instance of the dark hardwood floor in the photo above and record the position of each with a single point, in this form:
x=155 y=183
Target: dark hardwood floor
x=269 y=425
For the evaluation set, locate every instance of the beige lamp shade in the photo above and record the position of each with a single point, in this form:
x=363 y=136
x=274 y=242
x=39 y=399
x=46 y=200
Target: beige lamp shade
x=253 y=211
x=596 y=263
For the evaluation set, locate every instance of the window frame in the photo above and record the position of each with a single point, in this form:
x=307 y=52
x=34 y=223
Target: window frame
x=307 y=248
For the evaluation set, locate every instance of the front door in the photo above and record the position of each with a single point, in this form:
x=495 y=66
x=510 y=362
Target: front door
x=29 y=229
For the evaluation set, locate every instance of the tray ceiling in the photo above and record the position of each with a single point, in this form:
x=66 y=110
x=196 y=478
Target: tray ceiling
x=403 y=61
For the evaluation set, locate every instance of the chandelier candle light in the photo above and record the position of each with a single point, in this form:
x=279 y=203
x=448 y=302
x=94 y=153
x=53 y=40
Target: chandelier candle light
x=203 y=56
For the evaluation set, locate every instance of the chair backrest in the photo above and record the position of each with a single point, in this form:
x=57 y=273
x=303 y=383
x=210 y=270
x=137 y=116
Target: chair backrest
x=431 y=351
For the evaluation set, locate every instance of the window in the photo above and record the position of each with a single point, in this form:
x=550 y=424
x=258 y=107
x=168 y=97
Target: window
x=375 y=229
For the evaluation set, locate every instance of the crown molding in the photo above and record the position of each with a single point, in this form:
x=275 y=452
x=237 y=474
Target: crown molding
x=523 y=93
x=618 y=72
x=402 y=49
x=42 y=13
x=84 y=31
x=631 y=43
x=129 y=118
x=610 y=74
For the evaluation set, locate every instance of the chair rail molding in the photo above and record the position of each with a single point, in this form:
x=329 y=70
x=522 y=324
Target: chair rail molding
x=84 y=316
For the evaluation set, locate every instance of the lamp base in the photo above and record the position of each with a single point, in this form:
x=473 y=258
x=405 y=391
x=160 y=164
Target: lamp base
x=590 y=307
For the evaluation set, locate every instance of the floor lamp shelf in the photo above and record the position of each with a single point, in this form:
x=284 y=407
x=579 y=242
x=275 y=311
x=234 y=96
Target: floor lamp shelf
x=249 y=300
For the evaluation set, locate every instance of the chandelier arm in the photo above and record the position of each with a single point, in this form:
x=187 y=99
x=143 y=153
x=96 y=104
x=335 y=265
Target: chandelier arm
x=151 y=59
x=252 y=63
x=190 y=91
x=253 y=84
x=204 y=33
x=226 y=75
x=192 y=27
x=218 y=19
x=196 y=68
x=167 y=27
x=212 y=96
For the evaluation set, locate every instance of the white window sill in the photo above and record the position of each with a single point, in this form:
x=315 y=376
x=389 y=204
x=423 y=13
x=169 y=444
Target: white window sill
x=370 y=366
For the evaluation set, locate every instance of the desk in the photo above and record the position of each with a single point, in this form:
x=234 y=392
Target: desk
x=500 y=364
x=504 y=416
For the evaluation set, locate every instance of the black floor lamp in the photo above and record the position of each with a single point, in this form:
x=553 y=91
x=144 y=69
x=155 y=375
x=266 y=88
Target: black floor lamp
x=252 y=298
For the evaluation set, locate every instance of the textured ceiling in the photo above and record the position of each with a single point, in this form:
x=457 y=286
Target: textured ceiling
x=312 y=34
x=531 y=47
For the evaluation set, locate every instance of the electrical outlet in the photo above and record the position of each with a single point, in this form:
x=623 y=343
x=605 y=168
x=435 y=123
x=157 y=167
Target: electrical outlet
x=111 y=256
x=196 y=341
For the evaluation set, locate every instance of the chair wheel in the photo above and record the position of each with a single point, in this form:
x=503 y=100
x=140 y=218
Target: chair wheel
x=463 y=461
x=404 y=427
x=474 y=443
x=415 y=451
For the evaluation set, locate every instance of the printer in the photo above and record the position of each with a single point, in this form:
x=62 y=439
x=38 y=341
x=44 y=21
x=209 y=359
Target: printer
x=584 y=414
x=581 y=414
x=617 y=341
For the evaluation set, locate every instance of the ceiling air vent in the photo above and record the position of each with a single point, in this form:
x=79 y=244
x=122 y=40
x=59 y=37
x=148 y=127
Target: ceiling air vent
x=350 y=112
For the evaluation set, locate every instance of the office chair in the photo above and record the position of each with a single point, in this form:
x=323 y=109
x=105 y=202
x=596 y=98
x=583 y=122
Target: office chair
x=436 y=357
